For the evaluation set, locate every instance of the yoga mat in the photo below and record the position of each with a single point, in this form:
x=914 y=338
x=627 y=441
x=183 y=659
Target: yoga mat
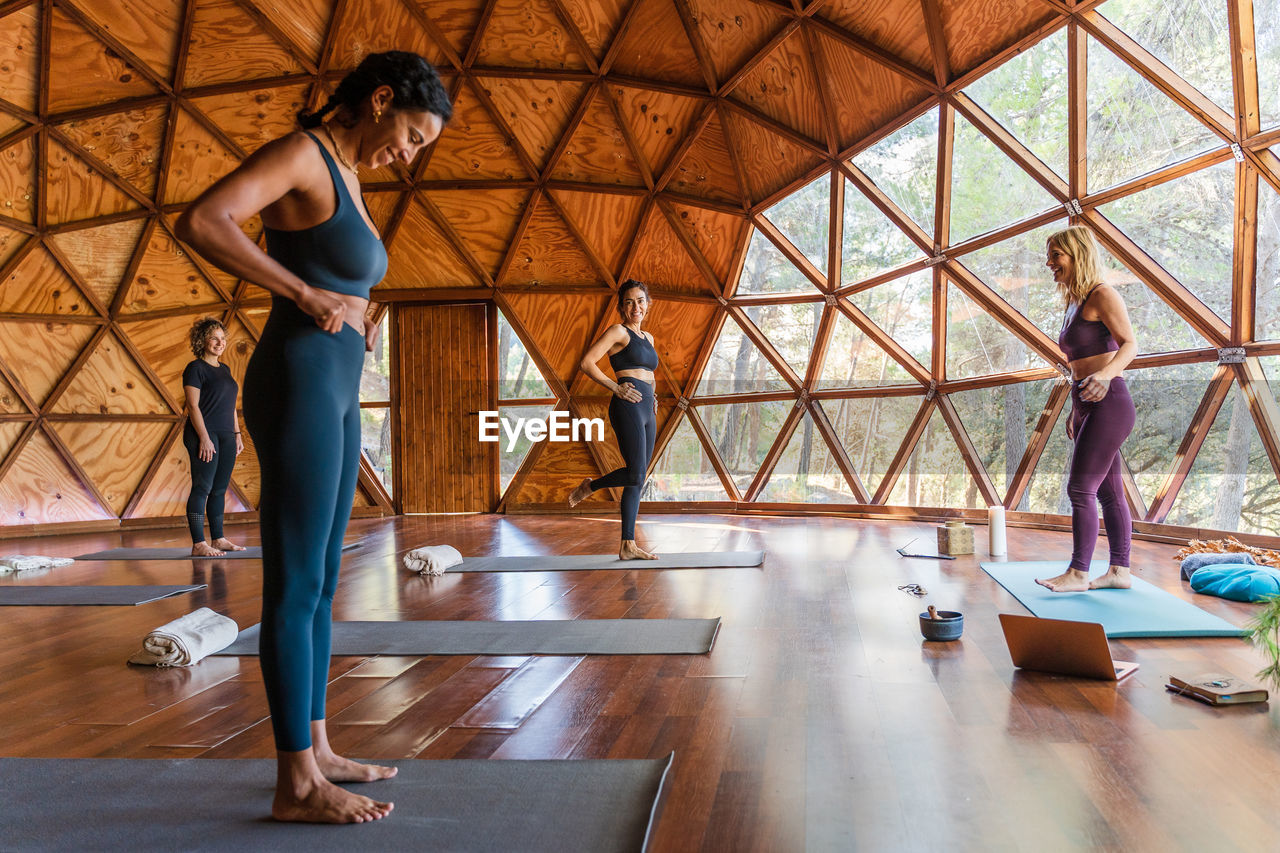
x=1142 y=611
x=253 y=552
x=109 y=804
x=587 y=562
x=538 y=637
x=116 y=595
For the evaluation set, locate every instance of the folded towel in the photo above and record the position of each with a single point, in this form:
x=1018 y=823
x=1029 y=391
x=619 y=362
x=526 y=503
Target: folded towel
x=1197 y=561
x=15 y=563
x=187 y=639
x=432 y=560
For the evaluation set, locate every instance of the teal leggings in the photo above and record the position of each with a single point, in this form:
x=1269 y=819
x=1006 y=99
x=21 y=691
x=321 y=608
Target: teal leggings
x=302 y=409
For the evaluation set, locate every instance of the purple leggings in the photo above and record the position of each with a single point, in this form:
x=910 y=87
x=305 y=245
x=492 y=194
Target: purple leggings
x=1100 y=428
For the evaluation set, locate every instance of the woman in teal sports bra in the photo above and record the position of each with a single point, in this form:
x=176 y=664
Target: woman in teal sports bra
x=301 y=389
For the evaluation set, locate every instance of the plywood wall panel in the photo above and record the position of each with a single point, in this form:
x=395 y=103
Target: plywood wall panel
x=38 y=354
x=717 y=235
x=783 y=87
x=100 y=255
x=597 y=20
x=562 y=328
x=372 y=26
x=770 y=162
x=39 y=286
x=20 y=57
x=733 y=32
x=559 y=468
x=679 y=330
x=227 y=44
x=662 y=260
x=657 y=22
x=166 y=278
x=75 y=190
x=528 y=34
x=537 y=111
x=549 y=253
x=606 y=221
x=128 y=143
x=258 y=116
x=421 y=255
x=897 y=27
x=706 y=170
x=18 y=180
x=971 y=28
x=39 y=488
x=473 y=146
x=115 y=454
x=303 y=22
x=197 y=159
x=110 y=383
x=598 y=152
x=166 y=494
x=10 y=404
x=485 y=219
x=76 y=57
x=865 y=94
x=163 y=342
x=658 y=121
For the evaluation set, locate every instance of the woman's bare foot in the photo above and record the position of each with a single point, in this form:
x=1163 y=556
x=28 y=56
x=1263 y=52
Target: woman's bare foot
x=631 y=551
x=227 y=545
x=580 y=494
x=204 y=549
x=1117 y=577
x=325 y=802
x=338 y=769
x=1072 y=580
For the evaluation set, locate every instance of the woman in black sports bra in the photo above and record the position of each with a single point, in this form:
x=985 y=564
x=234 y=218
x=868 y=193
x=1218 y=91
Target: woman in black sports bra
x=633 y=411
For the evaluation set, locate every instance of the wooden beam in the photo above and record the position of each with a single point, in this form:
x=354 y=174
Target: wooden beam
x=798 y=259
x=1011 y=146
x=1004 y=313
x=1201 y=423
x=1263 y=407
x=885 y=341
x=873 y=51
x=937 y=41
x=836 y=447
x=713 y=455
x=1036 y=443
x=1077 y=111
x=1244 y=67
x=900 y=459
x=771 y=457
x=1244 y=265
x=972 y=459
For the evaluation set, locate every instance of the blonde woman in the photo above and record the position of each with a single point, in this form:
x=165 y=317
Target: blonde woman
x=211 y=436
x=1098 y=341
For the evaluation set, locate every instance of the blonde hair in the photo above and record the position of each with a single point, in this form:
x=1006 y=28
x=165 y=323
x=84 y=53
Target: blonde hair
x=1077 y=242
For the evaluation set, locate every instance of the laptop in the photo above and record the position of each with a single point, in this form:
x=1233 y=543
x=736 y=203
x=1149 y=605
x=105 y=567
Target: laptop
x=1063 y=647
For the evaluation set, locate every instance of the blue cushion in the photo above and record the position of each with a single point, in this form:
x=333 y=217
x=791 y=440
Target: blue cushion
x=1237 y=582
x=1199 y=561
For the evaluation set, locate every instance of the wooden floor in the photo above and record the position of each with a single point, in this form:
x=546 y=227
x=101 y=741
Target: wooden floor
x=821 y=721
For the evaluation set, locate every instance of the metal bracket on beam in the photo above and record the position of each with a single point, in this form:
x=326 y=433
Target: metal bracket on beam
x=831 y=299
x=721 y=299
x=1237 y=152
x=683 y=404
x=1231 y=355
x=939 y=258
x=933 y=390
x=803 y=400
x=1073 y=207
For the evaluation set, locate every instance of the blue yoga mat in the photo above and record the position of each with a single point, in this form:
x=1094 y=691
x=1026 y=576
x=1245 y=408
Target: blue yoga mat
x=1142 y=611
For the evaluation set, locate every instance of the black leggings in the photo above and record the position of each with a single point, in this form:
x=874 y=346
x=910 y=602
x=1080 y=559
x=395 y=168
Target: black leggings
x=636 y=428
x=209 y=481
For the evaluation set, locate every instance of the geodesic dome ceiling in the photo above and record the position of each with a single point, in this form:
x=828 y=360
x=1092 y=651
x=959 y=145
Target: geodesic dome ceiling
x=841 y=207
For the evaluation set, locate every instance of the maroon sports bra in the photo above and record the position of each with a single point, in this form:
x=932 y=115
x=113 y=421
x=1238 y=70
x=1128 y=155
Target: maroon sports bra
x=1081 y=338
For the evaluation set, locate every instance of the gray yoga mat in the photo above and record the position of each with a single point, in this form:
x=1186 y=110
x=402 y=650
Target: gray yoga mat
x=197 y=804
x=90 y=595
x=253 y=552
x=539 y=637
x=586 y=562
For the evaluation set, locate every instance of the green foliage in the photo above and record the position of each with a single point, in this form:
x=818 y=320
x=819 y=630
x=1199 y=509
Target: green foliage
x=1264 y=634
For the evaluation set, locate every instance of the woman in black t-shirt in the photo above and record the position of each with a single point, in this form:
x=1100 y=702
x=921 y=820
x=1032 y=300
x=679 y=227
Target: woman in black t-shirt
x=212 y=436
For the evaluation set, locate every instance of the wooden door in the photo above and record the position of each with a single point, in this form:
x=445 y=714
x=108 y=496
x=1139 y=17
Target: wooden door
x=440 y=384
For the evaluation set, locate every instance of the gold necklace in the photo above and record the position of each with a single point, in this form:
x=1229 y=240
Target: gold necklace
x=337 y=149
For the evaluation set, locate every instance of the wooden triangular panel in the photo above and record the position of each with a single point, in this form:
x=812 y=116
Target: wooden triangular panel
x=974 y=29
x=528 y=34
x=562 y=328
x=18 y=180
x=227 y=44
x=38 y=285
x=706 y=170
x=240 y=344
x=782 y=86
x=164 y=343
x=717 y=235
x=258 y=116
x=38 y=354
x=196 y=159
x=485 y=219
x=166 y=494
x=115 y=454
x=100 y=255
x=659 y=121
x=559 y=468
x=657 y=22
x=20 y=57
x=597 y=20
x=421 y=255
x=149 y=28
x=598 y=152
x=9 y=434
x=10 y=404
x=661 y=259
x=549 y=253
x=128 y=143
x=773 y=162
x=219 y=277
x=9 y=123
x=472 y=146
x=78 y=191
x=166 y=278
x=733 y=32
x=372 y=26
x=381 y=206
x=302 y=21
x=457 y=21
x=76 y=57
x=110 y=383
x=537 y=111
x=897 y=27
x=679 y=330
x=40 y=489
x=865 y=94
x=10 y=242
x=607 y=221
x=255 y=319
x=247 y=475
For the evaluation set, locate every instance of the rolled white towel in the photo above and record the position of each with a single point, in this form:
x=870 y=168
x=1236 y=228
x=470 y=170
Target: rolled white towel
x=432 y=560
x=15 y=563
x=187 y=639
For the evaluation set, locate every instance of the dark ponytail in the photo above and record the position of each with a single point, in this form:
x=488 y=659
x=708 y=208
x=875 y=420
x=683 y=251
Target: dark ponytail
x=415 y=85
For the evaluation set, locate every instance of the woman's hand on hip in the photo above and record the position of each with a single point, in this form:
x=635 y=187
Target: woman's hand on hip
x=206 y=450
x=370 y=335
x=329 y=311
x=1094 y=387
x=628 y=392
x=239 y=444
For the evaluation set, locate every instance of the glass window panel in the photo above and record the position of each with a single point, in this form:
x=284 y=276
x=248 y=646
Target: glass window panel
x=871 y=430
x=375 y=441
x=1047 y=491
x=375 y=381
x=684 y=471
x=871 y=243
x=1157 y=327
x=1028 y=96
x=509 y=460
x=1133 y=128
x=1186 y=225
x=977 y=344
x=802 y=217
x=935 y=474
x=1231 y=485
x=1015 y=269
x=905 y=166
x=999 y=422
x=1165 y=398
x=903 y=308
x=988 y=189
x=856 y=361
x=1266 y=26
x=791 y=329
x=1267 y=301
x=518 y=376
x=737 y=366
x=743 y=434
x=1189 y=36
x=806 y=471
x=767 y=270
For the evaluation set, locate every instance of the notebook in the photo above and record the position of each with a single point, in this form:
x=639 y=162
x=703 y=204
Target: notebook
x=1063 y=647
x=1217 y=688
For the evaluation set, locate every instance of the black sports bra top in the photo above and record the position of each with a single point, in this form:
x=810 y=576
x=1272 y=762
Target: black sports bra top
x=638 y=354
x=1081 y=338
x=340 y=254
